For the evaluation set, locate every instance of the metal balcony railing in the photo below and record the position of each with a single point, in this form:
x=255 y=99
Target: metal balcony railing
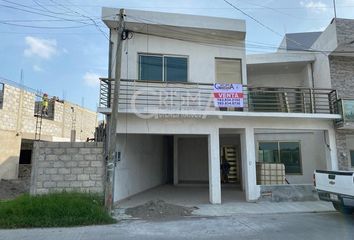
x=149 y=96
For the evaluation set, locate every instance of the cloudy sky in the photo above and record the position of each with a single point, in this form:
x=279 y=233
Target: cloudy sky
x=62 y=48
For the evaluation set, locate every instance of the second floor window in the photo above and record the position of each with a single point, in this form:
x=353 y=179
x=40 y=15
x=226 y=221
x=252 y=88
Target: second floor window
x=228 y=70
x=163 y=68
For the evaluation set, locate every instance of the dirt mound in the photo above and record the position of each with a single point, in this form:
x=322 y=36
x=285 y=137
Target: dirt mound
x=158 y=209
x=10 y=189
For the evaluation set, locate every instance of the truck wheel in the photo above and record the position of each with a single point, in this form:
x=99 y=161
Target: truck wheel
x=340 y=208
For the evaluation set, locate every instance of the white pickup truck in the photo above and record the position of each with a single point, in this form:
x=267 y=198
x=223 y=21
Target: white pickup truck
x=336 y=187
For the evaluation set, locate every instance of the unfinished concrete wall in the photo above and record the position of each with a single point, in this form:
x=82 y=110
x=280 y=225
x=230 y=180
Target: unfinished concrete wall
x=9 y=154
x=17 y=114
x=193 y=160
x=67 y=166
x=17 y=121
x=142 y=164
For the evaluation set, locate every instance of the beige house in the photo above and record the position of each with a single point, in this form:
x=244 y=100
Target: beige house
x=20 y=126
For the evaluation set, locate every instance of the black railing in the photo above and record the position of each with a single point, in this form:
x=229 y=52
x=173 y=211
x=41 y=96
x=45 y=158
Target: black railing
x=136 y=95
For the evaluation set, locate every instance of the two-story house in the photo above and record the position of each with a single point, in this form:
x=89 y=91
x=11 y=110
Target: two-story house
x=170 y=132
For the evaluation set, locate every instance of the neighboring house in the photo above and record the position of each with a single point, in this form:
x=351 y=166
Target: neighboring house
x=169 y=130
x=333 y=67
x=19 y=125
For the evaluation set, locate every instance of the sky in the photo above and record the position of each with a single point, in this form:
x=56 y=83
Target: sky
x=61 y=46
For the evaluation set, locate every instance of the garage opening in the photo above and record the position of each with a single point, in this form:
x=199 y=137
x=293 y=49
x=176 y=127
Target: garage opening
x=174 y=168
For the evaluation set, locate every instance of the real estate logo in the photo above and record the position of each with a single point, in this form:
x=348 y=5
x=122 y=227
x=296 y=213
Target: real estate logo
x=228 y=95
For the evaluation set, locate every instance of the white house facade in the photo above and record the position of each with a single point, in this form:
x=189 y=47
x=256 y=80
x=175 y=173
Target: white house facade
x=170 y=132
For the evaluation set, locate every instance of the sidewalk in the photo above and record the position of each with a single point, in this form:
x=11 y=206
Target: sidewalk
x=237 y=208
x=230 y=209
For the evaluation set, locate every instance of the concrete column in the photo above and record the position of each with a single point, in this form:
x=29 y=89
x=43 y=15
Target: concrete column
x=248 y=149
x=214 y=168
x=331 y=149
x=175 y=160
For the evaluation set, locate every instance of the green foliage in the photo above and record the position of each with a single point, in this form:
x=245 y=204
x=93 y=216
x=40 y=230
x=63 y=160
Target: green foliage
x=54 y=210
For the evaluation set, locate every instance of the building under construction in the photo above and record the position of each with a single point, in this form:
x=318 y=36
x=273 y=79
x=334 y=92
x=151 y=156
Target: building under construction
x=22 y=123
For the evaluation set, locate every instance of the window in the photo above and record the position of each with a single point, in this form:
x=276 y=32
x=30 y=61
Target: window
x=163 y=68
x=352 y=157
x=1 y=95
x=287 y=153
x=228 y=70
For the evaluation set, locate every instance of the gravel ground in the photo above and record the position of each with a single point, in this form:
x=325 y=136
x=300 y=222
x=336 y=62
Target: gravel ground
x=10 y=189
x=158 y=209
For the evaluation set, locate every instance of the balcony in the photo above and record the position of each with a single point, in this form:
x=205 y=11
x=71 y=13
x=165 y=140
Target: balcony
x=144 y=97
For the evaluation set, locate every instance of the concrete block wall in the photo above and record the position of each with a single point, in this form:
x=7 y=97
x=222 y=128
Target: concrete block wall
x=17 y=121
x=64 y=166
x=17 y=114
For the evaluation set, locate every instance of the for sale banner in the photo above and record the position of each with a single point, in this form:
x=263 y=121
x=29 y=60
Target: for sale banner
x=228 y=95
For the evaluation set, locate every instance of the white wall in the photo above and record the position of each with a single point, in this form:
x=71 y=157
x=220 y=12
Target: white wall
x=273 y=76
x=201 y=57
x=312 y=147
x=193 y=159
x=142 y=164
x=326 y=42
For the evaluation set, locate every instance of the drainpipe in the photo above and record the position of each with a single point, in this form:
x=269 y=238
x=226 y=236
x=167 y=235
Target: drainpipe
x=312 y=77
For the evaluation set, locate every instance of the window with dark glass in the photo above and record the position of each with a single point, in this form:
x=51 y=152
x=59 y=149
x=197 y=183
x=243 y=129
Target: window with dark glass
x=163 y=68
x=150 y=67
x=352 y=157
x=287 y=153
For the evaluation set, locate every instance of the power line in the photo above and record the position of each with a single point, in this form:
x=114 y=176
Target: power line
x=41 y=14
x=190 y=33
x=265 y=26
x=261 y=7
x=44 y=27
x=86 y=16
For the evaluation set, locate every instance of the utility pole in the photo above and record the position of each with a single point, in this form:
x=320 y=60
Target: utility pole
x=334 y=8
x=112 y=137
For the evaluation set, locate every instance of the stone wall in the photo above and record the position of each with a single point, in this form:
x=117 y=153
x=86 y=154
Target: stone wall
x=345 y=32
x=67 y=167
x=342 y=79
x=343 y=151
x=342 y=75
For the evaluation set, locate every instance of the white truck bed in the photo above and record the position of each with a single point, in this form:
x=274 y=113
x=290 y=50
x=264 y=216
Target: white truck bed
x=336 y=187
